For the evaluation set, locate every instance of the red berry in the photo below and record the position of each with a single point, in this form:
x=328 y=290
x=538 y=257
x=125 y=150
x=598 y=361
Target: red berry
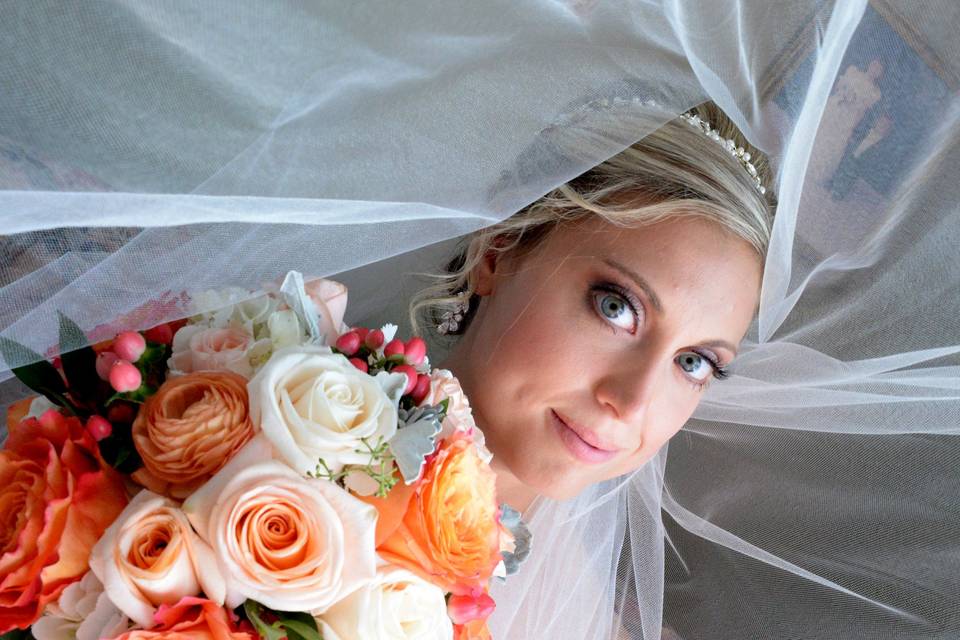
x=411 y=376
x=120 y=412
x=393 y=347
x=161 y=334
x=129 y=346
x=421 y=389
x=359 y=364
x=99 y=427
x=105 y=361
x=348 y=343
x=374 y=339
x=362 y=332
x=415 y=350
x=124 y=377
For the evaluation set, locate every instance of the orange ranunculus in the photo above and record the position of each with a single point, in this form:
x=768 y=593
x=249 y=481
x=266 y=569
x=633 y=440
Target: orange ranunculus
x=473 y=630
x=444 y=528
x=191 y=619
x=189 y=429
x=57 y=496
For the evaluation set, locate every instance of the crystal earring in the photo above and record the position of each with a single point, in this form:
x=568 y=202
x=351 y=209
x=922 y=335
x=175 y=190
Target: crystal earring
x=450 y=320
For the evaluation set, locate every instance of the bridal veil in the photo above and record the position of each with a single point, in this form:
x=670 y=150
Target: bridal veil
x=149 y=149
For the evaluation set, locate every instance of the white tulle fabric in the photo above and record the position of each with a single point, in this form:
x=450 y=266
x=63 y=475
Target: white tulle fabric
x=151 y=149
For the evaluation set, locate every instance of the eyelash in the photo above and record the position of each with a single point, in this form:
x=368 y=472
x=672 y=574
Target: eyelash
x=720 y=372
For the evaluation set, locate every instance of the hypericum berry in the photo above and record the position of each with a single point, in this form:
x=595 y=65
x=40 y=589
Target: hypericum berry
x=359 y=364
x=414 y=350
x=421 y=389
x=374 y=339
x=362 y=332
x=105 y=362
x=348 y=343
x=129 y=346
x=411 y=376
x=124 y=377
x=393 y=347
x=121 y=413
x=161 y=334
x=99 y=427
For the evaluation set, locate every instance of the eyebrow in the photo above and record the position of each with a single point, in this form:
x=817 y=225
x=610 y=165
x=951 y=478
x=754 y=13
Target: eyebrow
x=655 y=300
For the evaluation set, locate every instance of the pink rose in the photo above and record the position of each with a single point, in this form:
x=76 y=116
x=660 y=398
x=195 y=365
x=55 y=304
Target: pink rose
x=459 y=417
x=198 y=348
x=330 y=298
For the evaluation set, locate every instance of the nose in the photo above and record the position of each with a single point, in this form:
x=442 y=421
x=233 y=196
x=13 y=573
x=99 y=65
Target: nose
x=628 y=390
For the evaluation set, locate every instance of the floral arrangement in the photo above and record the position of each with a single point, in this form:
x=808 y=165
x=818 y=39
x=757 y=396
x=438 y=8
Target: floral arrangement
x=257 y=470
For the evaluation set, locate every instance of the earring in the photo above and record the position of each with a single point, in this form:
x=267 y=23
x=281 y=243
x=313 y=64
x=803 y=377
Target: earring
x=450 y=320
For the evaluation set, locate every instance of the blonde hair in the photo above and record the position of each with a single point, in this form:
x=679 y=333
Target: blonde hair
x=674 y=171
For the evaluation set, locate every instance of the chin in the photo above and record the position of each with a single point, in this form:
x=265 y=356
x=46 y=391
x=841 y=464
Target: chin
x=560 y=482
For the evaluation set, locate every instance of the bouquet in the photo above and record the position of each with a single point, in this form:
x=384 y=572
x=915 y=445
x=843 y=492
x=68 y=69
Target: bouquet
x=256 y=470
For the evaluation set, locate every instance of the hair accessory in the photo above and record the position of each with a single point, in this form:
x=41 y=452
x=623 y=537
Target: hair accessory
x=450 y=320
x=739 y=153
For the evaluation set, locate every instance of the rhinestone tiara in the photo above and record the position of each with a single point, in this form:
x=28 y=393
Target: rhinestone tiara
x=742 y=156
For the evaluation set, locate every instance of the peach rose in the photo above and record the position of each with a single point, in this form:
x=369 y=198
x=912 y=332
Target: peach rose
x=191 y=619
x=150 y=556
x=444 y=527
x=288 y=542
x=189 y=429
x=57 y=496
x=200 y=348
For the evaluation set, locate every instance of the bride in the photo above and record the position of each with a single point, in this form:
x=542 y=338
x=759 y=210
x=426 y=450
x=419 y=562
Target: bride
x=592 y=321
x=756 y=438
x=600 y=313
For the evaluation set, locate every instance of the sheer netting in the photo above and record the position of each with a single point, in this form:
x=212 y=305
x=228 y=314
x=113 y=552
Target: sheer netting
x=152 y=149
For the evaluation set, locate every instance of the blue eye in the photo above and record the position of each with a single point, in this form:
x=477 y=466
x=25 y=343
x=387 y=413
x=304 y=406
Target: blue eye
x=615 y=307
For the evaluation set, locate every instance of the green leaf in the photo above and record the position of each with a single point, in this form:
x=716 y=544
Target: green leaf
x=291 y=625
x=79 y=361
x=41 y=376
x=301 y=629
x=17 y=634
x=253 y=609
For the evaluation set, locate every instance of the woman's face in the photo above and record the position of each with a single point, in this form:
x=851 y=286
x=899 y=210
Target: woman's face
x=589 y=353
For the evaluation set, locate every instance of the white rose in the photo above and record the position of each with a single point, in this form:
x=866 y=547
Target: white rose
x=83 y=611
x=231 y=306
x=312 y=403
x=150 y=556
x=288 y=542
x=407 y=607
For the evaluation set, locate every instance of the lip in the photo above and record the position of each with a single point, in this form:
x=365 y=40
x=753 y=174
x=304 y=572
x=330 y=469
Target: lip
x=577 y=443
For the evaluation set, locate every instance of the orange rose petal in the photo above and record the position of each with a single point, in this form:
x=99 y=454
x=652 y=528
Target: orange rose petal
x=65 y=496
x=16 y=412
x=390 y=510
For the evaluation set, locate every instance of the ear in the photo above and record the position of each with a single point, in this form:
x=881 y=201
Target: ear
x=490 y=268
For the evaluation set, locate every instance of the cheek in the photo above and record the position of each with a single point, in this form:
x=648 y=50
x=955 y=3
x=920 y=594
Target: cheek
x=666 y=419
